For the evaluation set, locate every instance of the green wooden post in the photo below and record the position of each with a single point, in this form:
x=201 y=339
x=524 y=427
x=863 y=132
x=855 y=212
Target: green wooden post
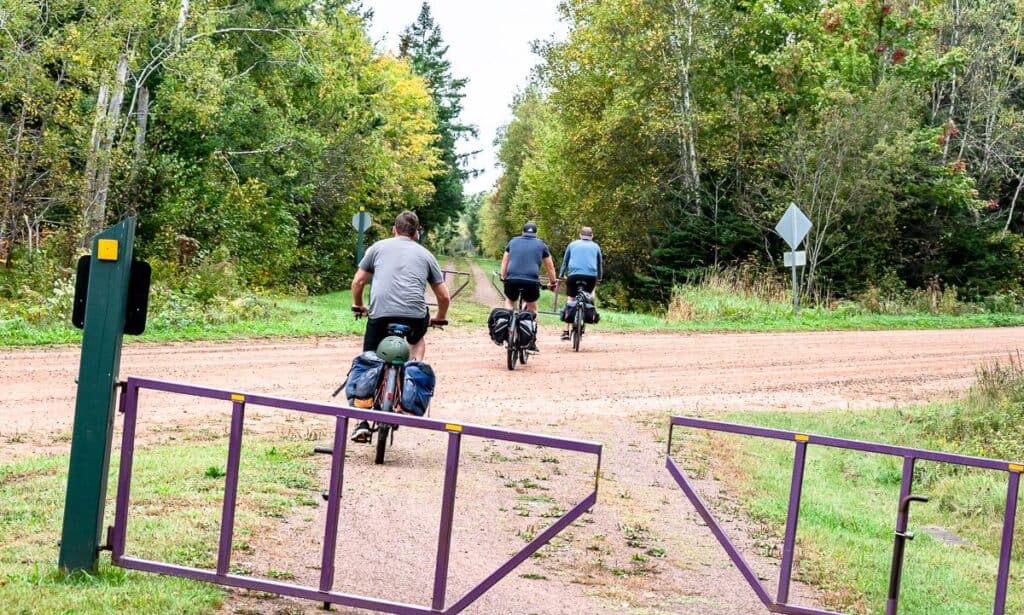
x=105 y=309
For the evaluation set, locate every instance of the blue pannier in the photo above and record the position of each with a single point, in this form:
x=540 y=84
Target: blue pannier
x=364 y=376
x=418 y=387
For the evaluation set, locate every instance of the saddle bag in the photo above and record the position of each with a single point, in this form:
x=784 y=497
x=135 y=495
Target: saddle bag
x=497 y=325
x=527 y=326
x=363 y=379
x=417 y=387
x=590 y=314
x=568 y=312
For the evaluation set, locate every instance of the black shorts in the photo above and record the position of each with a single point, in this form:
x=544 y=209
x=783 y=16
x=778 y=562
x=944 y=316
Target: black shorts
x=576 y=282
x=377 y=329
x=529 y=291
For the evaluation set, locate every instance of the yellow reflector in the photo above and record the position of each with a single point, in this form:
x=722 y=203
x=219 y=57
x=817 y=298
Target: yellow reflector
x=1016 y=467
x=455 y=428
x=802 y=438
x=237 y=397
x=364 y=404
x=106 y=249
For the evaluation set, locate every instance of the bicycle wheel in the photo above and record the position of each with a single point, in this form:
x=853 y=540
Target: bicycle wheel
x=510 y=343
x=522 y=356
x=577 y=329
x=387 y=405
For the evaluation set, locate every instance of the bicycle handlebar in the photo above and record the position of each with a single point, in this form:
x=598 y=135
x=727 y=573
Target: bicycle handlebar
x=438 y=324
x=360 y=311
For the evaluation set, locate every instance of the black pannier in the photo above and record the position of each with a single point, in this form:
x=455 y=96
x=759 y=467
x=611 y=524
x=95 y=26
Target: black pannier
x=568 y=312
x=590 y=315
x=363 y=378
x=497 y=325
x=527 y=333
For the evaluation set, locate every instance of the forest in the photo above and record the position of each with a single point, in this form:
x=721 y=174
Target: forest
x=245 y=135
x=682 y=129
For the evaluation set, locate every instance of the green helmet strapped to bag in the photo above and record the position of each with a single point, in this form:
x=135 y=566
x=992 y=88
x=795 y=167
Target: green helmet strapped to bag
x=393 y=349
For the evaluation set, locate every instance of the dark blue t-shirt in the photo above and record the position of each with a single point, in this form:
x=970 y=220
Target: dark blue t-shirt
x=525 y=254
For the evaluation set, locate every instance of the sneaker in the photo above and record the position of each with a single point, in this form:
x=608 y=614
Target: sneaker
x=532 y=348
x=361 y=433
x=565 y=336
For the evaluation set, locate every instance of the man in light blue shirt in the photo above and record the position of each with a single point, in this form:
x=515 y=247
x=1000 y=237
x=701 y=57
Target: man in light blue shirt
x=584 y=265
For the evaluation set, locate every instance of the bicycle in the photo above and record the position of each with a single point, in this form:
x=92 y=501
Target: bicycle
x=514 y=350
x=578 y=327
x=388 y=396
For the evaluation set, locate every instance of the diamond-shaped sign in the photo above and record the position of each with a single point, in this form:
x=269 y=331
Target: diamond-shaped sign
x=793 y=226
x=362 y=221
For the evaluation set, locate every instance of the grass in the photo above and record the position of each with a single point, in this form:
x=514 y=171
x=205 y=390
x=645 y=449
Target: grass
x=175 y=517
x=848 y=512
x=698 y=308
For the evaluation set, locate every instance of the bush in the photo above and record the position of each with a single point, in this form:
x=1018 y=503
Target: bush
x=989 y=420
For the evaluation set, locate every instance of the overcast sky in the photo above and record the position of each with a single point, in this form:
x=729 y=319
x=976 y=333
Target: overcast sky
x=489 y=43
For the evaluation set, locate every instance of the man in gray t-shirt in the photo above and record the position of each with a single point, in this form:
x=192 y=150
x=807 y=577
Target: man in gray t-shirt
x=400 y=269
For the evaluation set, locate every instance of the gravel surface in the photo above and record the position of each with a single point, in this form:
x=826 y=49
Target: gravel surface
x=642 y=550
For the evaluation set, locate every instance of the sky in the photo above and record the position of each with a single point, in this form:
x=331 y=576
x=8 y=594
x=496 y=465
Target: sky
x=489 y=44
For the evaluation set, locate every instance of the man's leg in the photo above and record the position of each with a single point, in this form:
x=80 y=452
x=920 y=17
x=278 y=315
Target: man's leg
x=418 y=350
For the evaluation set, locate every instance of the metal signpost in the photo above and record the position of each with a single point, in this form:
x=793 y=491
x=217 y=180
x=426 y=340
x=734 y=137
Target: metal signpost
x=361 y=222
x=105 y=312
x=793 y=227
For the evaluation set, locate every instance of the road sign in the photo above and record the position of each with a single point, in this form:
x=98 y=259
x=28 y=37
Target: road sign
x=793 y=226
x=362 y=221
x=795 y=259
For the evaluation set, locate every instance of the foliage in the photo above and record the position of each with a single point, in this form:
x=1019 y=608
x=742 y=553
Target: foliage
x=682 y=130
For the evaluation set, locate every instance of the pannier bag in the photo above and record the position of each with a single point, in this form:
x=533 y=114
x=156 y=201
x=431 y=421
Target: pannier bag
x=568 y=312
x=497 y=325
x=363 y=379
x=527 y=329
x=590 y=315
x=418 y=387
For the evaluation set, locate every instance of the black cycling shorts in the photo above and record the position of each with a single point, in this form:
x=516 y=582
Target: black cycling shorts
x=377 y=329
x=528 y=291
x=576 y=282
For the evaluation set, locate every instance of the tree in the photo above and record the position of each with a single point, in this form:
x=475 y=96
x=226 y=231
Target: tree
x=423 y=46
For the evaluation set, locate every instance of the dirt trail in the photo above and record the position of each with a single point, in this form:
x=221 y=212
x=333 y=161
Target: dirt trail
x=618 y=390
x=484 y=292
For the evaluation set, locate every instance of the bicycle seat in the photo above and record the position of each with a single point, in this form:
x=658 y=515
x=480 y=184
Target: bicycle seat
x=399 y=330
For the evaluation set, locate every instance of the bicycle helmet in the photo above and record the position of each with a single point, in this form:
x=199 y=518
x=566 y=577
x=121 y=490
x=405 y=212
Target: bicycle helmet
x=393 y=350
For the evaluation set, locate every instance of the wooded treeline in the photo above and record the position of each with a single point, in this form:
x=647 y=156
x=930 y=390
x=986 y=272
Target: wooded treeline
x=682 y=129
x=248 y=132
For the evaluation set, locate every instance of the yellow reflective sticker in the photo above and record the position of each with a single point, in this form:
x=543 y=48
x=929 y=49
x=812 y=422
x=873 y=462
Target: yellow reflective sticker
x=106 y=249
x=802 y=438
x=1016 y=467
x=237 y=397
x=455 y=428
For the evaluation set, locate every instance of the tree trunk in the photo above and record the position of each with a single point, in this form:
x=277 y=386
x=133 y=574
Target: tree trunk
x=98 y=213
x=1013 y=205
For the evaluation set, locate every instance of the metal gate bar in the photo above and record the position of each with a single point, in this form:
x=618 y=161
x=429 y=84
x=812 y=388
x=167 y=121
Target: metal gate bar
x=222 y=576
x=455 y=274
x=802 y=440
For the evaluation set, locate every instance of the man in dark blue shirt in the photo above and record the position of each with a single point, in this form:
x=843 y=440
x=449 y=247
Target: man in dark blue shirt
x=520 y=269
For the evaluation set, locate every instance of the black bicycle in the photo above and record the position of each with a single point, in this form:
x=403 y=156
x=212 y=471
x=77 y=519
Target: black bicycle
x=515 y=350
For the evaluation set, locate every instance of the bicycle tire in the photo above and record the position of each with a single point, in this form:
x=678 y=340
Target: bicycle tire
x=512 y=354
x=522 y=356
x=387 y=404
x=577 y=329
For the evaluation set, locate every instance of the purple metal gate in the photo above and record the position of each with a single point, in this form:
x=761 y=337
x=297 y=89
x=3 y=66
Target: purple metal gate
x=324 y=593
x=909 y=455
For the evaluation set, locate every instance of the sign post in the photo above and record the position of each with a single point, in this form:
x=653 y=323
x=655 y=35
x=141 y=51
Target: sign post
x=361 y=221
x=105 y=313
x=793 y=227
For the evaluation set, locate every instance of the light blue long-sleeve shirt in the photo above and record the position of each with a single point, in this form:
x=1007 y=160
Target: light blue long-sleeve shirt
x=583 y=257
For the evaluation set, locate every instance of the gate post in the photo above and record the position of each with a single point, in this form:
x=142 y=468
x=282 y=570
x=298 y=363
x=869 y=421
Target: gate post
x=106 y=307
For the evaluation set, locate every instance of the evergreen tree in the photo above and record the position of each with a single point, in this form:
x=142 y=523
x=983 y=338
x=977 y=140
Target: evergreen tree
x=423 y=46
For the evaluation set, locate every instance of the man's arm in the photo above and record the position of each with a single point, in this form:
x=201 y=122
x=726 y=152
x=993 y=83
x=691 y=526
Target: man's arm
x=550 y=264
x=444 y=299
x=600 y=265
x=359 y=282
x=565 y=260
x=504 y=265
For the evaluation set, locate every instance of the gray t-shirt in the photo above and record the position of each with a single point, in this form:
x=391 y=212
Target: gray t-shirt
x=401 y=269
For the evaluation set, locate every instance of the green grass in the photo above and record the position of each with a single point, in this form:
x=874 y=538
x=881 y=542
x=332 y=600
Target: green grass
x=175 y=516
x=848 y=513
x=713 y=311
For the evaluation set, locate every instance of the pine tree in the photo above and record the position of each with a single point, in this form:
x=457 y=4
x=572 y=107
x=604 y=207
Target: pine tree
x=423 y=46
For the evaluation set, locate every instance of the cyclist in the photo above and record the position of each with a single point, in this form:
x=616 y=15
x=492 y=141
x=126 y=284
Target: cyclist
x=400 y=269
x=584 y=264
x=520 y=270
